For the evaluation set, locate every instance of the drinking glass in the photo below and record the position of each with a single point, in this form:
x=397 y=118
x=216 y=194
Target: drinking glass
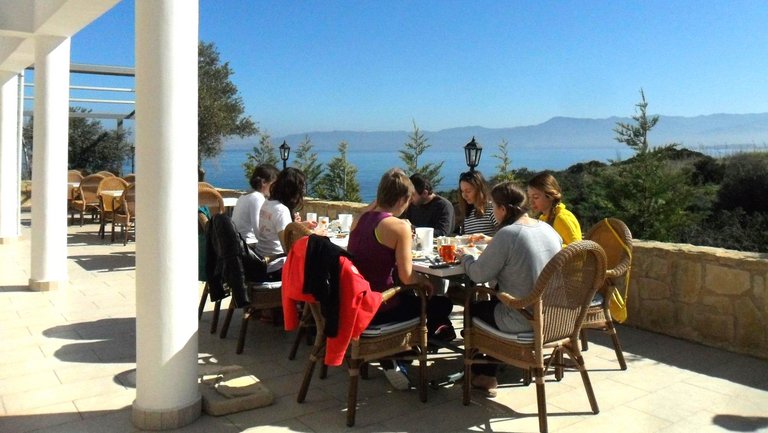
x=447 y=252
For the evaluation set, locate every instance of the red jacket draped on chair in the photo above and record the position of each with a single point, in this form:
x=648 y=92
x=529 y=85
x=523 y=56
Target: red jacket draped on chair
x=358 y=303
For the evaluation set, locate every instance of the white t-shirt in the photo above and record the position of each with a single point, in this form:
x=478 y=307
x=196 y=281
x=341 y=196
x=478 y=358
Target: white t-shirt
x=246 y=215
x=273 y=219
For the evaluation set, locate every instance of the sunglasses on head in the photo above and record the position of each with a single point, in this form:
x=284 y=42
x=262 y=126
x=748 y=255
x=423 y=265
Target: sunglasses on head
x=467 y=175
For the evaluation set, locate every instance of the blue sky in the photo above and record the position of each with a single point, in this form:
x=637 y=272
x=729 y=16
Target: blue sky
x=304 y=66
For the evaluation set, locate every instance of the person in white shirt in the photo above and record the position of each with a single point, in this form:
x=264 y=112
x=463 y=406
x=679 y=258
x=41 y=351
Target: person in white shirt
x=248 y=207
x=286 y=195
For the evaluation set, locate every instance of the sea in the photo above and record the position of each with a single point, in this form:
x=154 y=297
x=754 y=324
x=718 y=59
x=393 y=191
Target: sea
x=227 y=171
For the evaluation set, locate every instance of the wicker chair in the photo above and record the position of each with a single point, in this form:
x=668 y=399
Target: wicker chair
x=555 y=307
x=106 y=173
x=264 y=296
x=130 y=178
x=125 y=214
x=109 y=192
x=86 y=198
x=616 y=240
x=74 y=176
x=408 y=340
x=210 y=197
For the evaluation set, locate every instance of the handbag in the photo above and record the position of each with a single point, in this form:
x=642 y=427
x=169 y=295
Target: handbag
x=618 y=303
x=254 y=265
x=618 y=307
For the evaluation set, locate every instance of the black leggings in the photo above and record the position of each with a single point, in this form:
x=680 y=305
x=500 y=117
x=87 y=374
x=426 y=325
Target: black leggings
x=406 y=306
x=483 y=310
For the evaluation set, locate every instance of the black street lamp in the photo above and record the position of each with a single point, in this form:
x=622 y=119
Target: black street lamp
x=472 y=152
x=285 y=150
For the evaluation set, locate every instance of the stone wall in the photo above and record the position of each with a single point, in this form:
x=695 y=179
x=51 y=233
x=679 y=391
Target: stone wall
x=331 y=209
x=713 y=296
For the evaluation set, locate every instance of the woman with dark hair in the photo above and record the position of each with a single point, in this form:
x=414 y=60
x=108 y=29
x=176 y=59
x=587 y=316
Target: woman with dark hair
x=246 y=212
x=546 y=199
x=286 y=195
x=380 y=244
x=474 y=205
x=514 y=259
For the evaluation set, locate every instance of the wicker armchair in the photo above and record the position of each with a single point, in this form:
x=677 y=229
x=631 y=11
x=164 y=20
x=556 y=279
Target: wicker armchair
x=556 y=308
x=406 y=340
x=74 y=176
x=86 y=198
x=210 y=197
x=263 y=296
x=130 y=178
x=109 y=192
x=106 y=173
x=125 y=214
x=616 y=240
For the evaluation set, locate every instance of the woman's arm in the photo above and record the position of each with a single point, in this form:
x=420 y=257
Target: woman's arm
x=568 y=227
x=489 y=265
x=396 y=234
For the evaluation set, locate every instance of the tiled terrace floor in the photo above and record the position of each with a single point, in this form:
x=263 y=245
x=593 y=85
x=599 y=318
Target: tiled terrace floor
x=67 y=357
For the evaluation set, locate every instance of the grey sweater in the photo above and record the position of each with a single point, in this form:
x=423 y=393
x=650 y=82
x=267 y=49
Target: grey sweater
x=514 y=259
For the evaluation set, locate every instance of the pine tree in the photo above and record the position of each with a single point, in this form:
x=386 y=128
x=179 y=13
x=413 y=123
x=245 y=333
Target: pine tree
x=636 y=136
x=306 y=161
x=413 y=149
x=647 y=192
x=339 y=183
x=263 y=154
x=504 y=173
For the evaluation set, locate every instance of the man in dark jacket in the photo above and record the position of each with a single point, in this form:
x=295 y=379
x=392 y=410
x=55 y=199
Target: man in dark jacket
x=428 y=209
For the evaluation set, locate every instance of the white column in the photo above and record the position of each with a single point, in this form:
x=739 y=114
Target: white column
x=49 y=164
x=167 y=396
x=9 y=158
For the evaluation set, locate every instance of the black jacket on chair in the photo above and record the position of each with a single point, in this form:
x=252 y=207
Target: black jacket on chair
x=229 y=262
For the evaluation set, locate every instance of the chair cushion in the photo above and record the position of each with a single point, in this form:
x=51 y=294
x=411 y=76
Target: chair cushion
x=389 y=328
x=266 y=285
x=520 y=337
x=597 y=300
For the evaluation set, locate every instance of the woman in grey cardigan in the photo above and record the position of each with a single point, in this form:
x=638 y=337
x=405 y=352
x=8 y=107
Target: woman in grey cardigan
x=515 y=257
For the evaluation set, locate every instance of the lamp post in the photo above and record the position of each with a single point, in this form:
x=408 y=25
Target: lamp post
x=285 y=150
x=472 y=152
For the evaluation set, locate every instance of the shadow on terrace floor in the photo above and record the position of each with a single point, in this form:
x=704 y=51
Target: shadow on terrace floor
x=643 y=346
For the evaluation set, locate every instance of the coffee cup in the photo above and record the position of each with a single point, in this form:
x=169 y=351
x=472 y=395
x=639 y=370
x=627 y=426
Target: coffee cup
x=424 y=237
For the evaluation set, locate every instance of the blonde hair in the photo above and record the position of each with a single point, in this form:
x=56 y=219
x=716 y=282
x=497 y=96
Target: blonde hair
x=393 y=187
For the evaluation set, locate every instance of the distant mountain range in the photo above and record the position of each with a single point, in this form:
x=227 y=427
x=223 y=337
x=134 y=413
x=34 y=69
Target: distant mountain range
x=556 y=133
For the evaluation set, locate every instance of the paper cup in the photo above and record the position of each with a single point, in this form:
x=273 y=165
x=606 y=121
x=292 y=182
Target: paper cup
x=311 y=216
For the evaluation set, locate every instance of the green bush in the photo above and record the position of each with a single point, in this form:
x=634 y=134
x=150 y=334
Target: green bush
x=745 y=183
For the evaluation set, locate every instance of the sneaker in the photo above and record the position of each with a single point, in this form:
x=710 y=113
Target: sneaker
x=445 y=333
x=486 y=384
x=397 y=378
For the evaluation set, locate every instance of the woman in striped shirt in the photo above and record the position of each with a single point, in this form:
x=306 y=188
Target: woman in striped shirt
x=475 y=205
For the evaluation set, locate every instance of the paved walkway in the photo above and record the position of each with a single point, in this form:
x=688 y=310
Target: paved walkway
x=67 y=361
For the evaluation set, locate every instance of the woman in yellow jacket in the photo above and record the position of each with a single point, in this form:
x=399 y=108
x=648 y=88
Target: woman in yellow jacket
x=546 y=197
